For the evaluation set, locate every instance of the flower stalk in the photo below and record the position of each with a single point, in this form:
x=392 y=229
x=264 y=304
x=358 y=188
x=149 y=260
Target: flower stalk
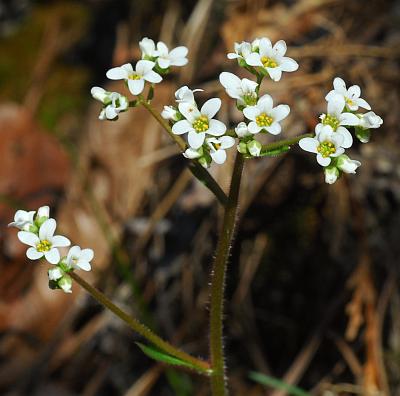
x=218 y=384
x=138 y=327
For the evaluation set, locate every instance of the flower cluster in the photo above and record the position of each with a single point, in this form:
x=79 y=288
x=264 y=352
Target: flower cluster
x=208 y=138
x=332 y=135
x=38 y=233
x=156 y=61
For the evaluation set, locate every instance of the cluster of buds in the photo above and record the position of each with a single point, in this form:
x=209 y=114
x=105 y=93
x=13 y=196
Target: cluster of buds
x=37 y=231
x=332 y=135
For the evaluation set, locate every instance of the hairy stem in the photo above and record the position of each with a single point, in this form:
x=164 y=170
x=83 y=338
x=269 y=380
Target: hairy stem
x=203 y=366
x=218 y=385
x=287 y=142
x=197 y=170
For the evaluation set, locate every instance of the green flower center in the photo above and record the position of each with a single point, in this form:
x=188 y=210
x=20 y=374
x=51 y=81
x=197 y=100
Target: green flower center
x=326 y=149
x=43 y=246
x=201 y=124
x=134 y=77
x=332 y=121
x=268 y=62
x=250 y=98
x=263 y=120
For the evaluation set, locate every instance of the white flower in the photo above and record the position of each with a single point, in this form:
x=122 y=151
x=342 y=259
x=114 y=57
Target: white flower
x=242 y=51
x=331 y=174
x=22 y=219
x=169 y=113
x=135 y=78
x=370 y=120
x=45 y=244
x=336 y=119
x=79 y=258
x=351 y=95
x=242 y=130
x=175 y=57
x=148 y=48
x=61 y=279
x=272 y=58
x=347 y=165
x=265 y=116
x=199 y=123
x=325 y=144
x=185 y=94
x=218 y=146
x=113 y=101
x=244 y=90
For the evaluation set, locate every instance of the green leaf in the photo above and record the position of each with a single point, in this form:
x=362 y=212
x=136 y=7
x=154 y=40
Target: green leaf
x=276 y=383
x=160 y=356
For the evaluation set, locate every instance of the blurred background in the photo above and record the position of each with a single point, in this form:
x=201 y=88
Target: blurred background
x=312 y=291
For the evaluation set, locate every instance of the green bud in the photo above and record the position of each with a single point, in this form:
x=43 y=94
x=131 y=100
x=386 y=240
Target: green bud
x=363 y=135
x=242 y=147
x=40 y=220
x=33 y=228
x=331 y=174
x=254 y=148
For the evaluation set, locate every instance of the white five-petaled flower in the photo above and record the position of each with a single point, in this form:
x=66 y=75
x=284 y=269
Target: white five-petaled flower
x=23 y=219
x=218 y=146
x=264 y=116
x=45 y=244
x=370 y=120
x=199 y=124
x=79 y=258
x=351 y=95
x=272 y=58
x=244 y=90
x=185 y=94
x=114 y=102
x=325 y=144
x=336 y=119
x=135 y=78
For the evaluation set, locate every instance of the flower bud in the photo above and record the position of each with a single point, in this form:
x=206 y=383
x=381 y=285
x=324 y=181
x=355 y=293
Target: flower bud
x=169 y=113
x=254 y=148
x=347 y=165
x=331 y=174
x=242 y=130
x=370 y=120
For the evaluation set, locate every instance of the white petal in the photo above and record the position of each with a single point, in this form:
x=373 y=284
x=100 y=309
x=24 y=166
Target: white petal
x=339 y=151
x=110 y=112
x=52 y=256
x=163 y=63
x=336 y=105
x=288 y=64
x=216 y=128
x=181 y=127
x=152 y=76
x=147 y=46
x=275 y=73
x=354 y=92
x=84 y=264
x=280 y=112
x=251 y=112
x=144 y=66
x=274 y=128
x=44 y=211
x=136 y=86
x=349 y=119
x=347 y=137
x=226 y=142
x=280 y=48
x=179 y=61
x=119 y=73
x=265 y=103
x=340 y=86
x=363 y=103
x=162 y=48
x=229 y=80
x=33 y=254
x=254 y=128
x=60 y=241
x=219 y=156
x=74 y=251
x=211 y=107
x=87 y=254
x=195 y=139
x=265 y=46
x=55 y=273
x=309 y=144
x=47 y=229
x=337 y=139
x=323 y=161
x=189 y=111
x=232 y=55
x=191 y=153
x=254 y=59
x=178 y=52
x=28 y=238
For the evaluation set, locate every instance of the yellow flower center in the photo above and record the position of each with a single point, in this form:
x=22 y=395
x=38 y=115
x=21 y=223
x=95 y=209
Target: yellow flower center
x=331 y=120
x=268 y=62
x=263 y=120
x=201 y=124
x=349 y=102
x=217 y=146
x=326 y=149
x=134 y=77
x=43 y=246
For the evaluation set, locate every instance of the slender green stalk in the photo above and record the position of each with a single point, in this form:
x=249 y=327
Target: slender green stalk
x=198 y=171
x=287 y=142
x=139 y=327
x=218 y=385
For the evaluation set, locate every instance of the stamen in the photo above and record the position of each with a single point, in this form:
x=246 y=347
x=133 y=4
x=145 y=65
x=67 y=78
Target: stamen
x=263 y=120
x=201 y=124
x=269 y=62
x=331 y=120
x=326 y=149
x=43 y=246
